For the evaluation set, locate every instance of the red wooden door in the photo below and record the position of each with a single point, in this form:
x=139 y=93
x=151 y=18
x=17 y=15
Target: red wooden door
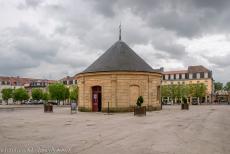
x=96 y=90
x=95 y=102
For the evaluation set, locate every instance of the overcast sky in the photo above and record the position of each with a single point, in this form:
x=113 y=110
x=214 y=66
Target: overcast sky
x=55 y=38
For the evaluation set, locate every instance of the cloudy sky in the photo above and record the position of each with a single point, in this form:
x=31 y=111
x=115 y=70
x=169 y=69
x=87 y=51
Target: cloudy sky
x=55 y=38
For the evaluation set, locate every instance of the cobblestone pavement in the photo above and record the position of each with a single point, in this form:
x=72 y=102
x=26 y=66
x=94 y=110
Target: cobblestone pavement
x=201 y=130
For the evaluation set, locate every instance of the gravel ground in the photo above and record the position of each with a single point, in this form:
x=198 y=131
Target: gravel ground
x=201 y=130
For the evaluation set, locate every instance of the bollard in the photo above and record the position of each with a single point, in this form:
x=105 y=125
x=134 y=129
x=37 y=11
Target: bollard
x=108 y=108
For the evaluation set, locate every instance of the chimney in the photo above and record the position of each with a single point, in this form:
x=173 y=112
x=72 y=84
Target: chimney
x=162 y=69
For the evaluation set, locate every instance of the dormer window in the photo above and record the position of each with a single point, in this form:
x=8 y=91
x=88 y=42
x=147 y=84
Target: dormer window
x=198 y=75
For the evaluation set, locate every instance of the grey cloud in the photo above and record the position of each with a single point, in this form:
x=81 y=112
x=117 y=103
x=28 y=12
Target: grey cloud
x=173 y=50
x=80 y=31
x=184 y=17
x=36 y=49
x=30 y=4
x=74 y=62
x=214 y=4
x=105 y=7
x=221 y=75
x=29 y=41
x=14 y=63
x=33 y=3
x=220 y=61
x=183 y=25
x=24 y=47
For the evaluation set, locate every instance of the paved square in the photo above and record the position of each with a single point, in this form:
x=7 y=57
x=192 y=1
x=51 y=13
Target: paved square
x=201 y=130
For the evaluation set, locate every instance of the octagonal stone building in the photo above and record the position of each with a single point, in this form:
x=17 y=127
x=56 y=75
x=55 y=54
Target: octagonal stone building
x=119 y=77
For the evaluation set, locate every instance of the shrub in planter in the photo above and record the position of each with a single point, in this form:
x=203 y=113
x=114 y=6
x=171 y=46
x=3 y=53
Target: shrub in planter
x=140 y=101
x=139 y=109
x=184 y=105
x=48 y=107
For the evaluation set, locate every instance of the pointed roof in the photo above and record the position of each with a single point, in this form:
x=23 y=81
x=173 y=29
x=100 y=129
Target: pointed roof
x=119 y=57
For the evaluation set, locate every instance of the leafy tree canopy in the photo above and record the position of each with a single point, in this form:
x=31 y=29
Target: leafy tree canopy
x=20 y=94
x=218 y=86
x=58 y=91
x=66 y=93
x=45 y=96
x=227 y=86
x=180 y=91
x=37 y=94
x=7 y=94
x=74 y=94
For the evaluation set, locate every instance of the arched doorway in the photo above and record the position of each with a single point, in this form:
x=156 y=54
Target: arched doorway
x=134 y=93
x=96 y=99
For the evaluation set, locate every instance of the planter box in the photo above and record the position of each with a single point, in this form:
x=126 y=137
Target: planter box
x=48 y=108
x=185 y=106
x=73 y=107
x=140 y=111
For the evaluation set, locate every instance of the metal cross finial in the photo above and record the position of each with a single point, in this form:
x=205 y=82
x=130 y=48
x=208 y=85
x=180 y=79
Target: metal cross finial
x=120 y=31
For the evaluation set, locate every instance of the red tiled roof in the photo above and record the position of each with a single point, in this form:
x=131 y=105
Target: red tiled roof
x=175 y=72
x=51 y=81
x=191 y=69
x=67 y=78
x=22 y=81
x=196 y=69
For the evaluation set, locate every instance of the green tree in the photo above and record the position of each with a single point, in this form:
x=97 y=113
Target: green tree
x=45 y=96
x=227 y=86
x=179 y=91
x=57 y=91
x=191 y=90
x=66 y=93
x=201 y=90
x=20 y=94
x=218 y=86
x=74 y=94
x=197 y=90
x=37 y=94
x=173 y=92
x=7 y=94
x=185 y=91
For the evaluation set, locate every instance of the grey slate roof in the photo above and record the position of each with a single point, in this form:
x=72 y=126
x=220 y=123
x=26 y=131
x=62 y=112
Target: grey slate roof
x=119 y=57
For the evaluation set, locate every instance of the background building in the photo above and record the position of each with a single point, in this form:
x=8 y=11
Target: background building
x=20 y=82
x=38 y=83
x=69 y=81
x=193 y=75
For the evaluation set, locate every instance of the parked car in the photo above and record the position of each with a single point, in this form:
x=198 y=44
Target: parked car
x=23 y=102
x=163 y=102
x=223 y=101
x=35 y=102
x=40 y=102
x=194 y=102
x=53 y=102
x=170 y=103
x=167 y=103
x=28 y=102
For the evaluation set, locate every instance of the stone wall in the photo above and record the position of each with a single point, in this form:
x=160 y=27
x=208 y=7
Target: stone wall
x=120 y=89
